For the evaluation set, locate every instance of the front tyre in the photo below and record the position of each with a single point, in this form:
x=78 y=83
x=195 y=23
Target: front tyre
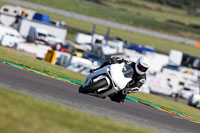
x=82 y=90
x=93 y=86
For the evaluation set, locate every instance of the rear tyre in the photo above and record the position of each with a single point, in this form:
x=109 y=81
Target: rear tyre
x=118 y=97
x=93 y=86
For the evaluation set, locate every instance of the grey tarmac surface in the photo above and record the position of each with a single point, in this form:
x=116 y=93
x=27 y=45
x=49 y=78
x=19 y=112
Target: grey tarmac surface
x=102 y=22
x=67 y=94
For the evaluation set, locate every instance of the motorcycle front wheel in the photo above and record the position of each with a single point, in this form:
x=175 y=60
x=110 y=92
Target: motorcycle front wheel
x=93 y=86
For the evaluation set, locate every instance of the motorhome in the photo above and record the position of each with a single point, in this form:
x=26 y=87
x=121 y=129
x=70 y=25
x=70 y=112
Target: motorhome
x=39 y=35
x=82 y=38
x=56 y=31
x=16 y=10
x=10 y=14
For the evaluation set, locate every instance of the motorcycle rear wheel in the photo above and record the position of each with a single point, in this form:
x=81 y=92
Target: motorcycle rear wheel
x=93 y=86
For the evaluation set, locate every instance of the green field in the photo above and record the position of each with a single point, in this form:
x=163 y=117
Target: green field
x=159 y=44
x=133 y=12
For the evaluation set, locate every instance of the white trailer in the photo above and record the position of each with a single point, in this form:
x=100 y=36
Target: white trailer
x=81 y=38
x=175 y=57
x=25 y=25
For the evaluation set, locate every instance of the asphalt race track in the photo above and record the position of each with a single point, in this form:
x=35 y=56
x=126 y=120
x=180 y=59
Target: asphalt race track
x=65 y=93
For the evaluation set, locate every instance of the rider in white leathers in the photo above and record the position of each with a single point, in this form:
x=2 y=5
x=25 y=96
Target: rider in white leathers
x=138 y=79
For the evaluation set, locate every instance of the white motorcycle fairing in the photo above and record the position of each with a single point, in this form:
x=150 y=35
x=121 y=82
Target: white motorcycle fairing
x=114 y=76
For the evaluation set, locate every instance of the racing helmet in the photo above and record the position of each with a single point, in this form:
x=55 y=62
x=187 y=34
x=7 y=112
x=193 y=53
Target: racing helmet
x=142 y=65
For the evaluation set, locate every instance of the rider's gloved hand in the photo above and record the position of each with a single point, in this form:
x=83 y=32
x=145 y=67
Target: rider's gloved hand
x=133 y=90
x=114 y=60
x=92 y=70
x=130 y=90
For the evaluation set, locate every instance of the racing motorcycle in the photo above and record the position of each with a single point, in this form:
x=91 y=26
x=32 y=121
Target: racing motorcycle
x=107 y=80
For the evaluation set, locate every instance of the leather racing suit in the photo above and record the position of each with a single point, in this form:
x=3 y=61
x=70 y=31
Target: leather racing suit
x=133 y=86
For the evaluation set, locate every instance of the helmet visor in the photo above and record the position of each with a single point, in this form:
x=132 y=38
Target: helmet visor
x=127 y=71
x=141 y=68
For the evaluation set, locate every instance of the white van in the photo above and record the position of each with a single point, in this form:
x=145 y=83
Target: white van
x=160 y=85
x=9 y=37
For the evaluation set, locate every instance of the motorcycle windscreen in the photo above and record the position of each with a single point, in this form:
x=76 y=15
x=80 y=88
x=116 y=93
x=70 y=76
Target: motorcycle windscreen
x=117 y=75
x=127 y=71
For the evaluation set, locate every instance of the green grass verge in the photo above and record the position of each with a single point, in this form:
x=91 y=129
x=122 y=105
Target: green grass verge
x=10 y=55
x=22 y=114
x=169 y=103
